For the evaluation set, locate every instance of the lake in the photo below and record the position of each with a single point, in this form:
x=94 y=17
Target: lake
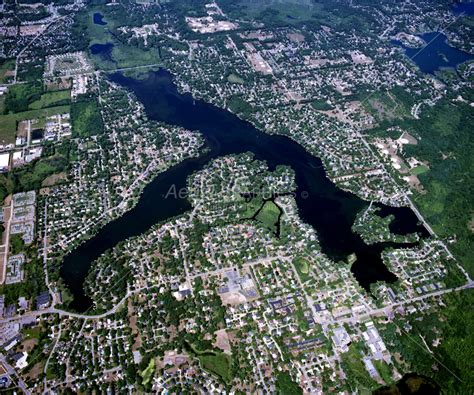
x=436 y=54
x=103 y=50
x=330 y=210
x=466 y=8
x=99 y=19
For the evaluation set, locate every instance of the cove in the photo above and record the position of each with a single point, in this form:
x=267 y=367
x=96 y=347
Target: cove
x=330 y=210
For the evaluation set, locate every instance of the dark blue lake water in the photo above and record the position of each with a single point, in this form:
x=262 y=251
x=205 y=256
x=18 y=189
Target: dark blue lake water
x=330 y=210
x=99 y=19
x=102 y=50
x=466 y=8
x=436 y=54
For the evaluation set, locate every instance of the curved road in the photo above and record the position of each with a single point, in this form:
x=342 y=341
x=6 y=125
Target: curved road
x=113 y=310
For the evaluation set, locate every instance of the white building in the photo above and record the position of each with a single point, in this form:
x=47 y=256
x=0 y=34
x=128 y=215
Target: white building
x=4 y=161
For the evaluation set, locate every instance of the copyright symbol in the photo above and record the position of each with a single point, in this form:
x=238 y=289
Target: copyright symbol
x=304 y=194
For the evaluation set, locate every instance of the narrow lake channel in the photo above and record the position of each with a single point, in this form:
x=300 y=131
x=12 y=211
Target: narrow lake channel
x=330 y=210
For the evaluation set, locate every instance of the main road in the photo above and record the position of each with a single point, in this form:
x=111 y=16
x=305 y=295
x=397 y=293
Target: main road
x=113 y=310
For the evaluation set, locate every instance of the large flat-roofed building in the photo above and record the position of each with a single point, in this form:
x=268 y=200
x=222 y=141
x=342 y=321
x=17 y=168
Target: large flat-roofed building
x=4 y=161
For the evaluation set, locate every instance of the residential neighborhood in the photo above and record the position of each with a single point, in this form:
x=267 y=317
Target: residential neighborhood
x=216 y=196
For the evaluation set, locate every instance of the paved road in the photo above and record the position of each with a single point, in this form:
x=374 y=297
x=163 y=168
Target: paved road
x=113 y=310
x=64 y=313
x=382 y=310
x=56 y=341
x=45 y=255
x=6 y=224
x=12 y=372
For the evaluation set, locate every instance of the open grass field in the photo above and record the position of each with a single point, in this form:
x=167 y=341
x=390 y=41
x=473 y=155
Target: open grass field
x=294 y=12
x=32 y=333
x=321 y=105
x=235 y=79
x=124 y=56
x=97 y=33
x=218 y=364
x=416 y=171
x=147 y=374
x=31 y=177
x=128 y=56
x=252 y=207
x=215 y=362
x=51 y=99
x=268 y=215
x=302 y=267
x=387 y=106
x=435 y=206
x=384 y=371
x=54 y=179
x=20 y=96
x=8 y=122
